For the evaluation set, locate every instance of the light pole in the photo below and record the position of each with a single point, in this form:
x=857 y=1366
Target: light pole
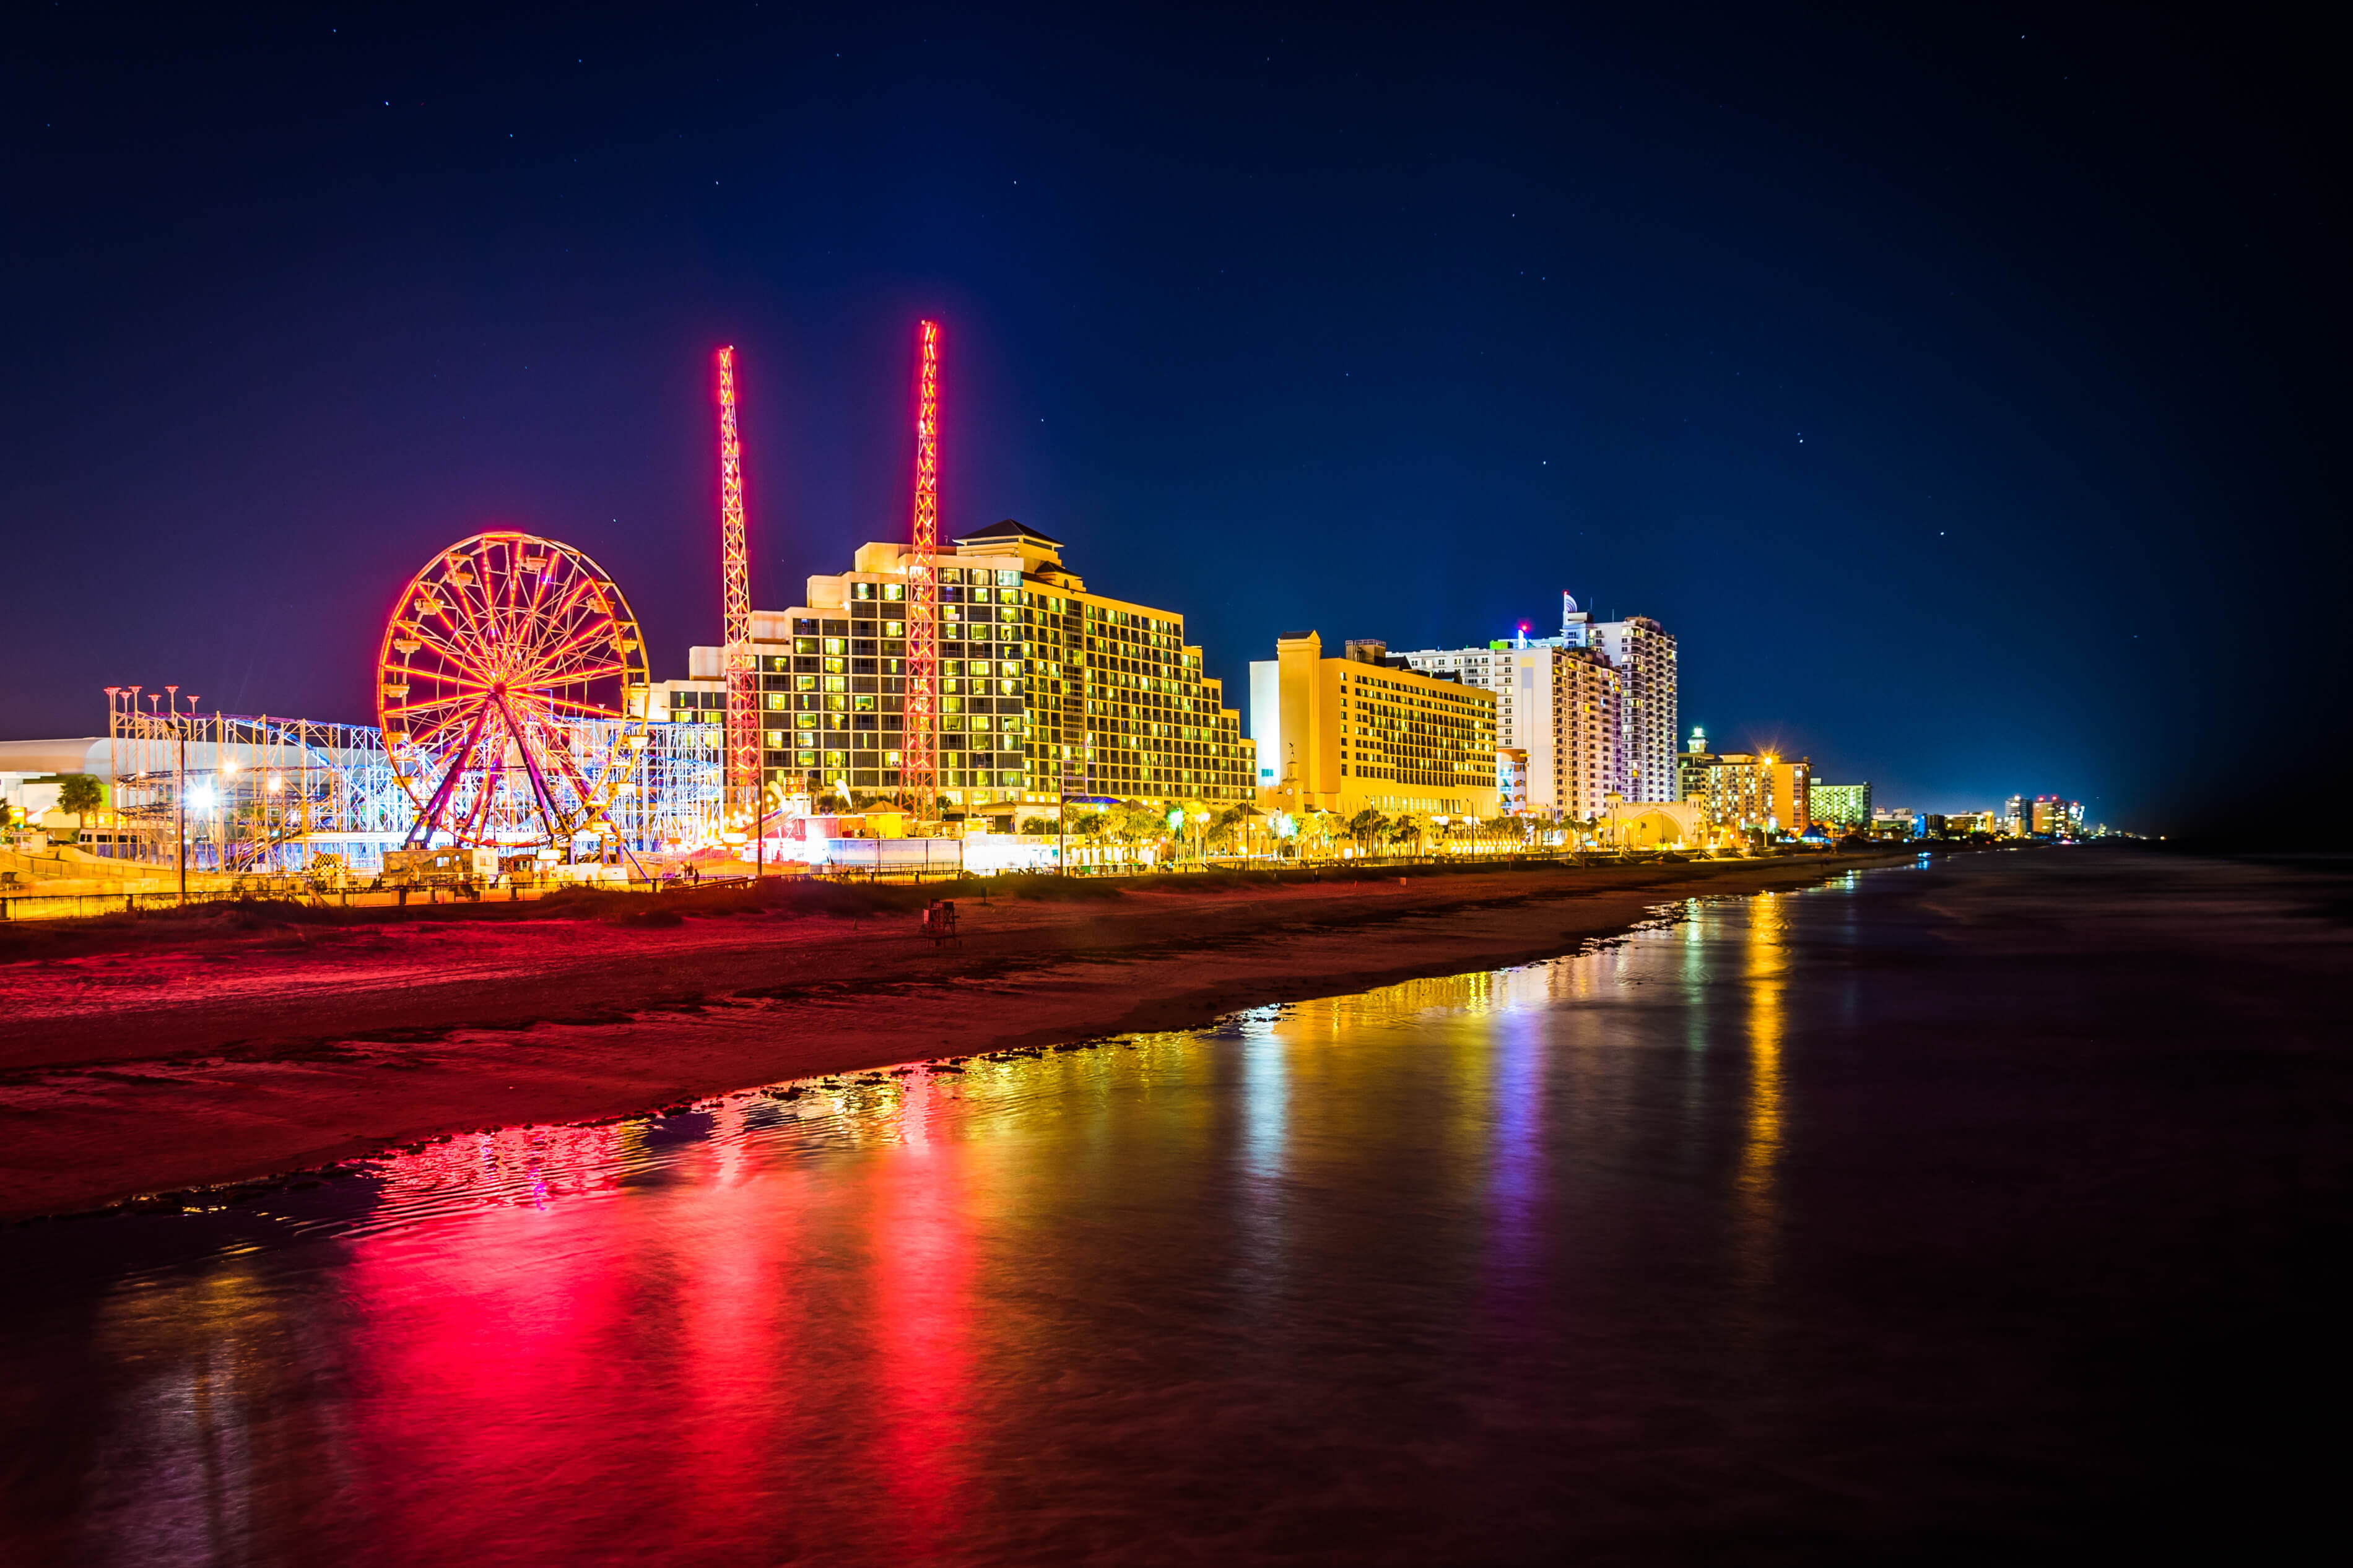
x=181 y=794
x=114 y=776
x=224 y=770
x=146 y=844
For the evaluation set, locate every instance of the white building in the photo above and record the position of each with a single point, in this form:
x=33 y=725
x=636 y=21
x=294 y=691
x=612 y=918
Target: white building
x=1644 y=653
x=1561 y=706
x=33 y=772
x=1551 y=706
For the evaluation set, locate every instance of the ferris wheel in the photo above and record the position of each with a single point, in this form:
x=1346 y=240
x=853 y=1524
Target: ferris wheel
x=511 y=692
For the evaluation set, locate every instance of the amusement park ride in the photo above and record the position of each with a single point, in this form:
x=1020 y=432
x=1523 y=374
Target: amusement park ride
x=513 y=703
x=743 y=720
x=513 y=684
x=919 y=747
x=511 y=692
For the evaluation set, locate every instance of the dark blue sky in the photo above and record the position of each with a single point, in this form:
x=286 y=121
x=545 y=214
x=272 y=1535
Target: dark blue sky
x=1966 y=397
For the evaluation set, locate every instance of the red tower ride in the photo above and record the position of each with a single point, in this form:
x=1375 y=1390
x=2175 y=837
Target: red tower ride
x=919 y=745
x=742 y=762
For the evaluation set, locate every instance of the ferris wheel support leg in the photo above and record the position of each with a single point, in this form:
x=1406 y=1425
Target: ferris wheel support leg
x=530 y=770
x=421 y=836
x=477 y=817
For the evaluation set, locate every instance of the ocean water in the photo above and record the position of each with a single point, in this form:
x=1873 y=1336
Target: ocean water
x=1978 y=1211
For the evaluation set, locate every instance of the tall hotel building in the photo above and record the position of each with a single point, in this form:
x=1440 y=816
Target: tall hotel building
x=1563 y=707
x=1044 y=686
x=1642 y=652
x=1594 y=708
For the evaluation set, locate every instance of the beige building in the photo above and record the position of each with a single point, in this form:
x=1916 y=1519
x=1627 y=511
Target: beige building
x=1564 y=706
x=688 y=701
x=1367 y=731
x=1044 y=686
x=1746 y=790
x=1644 y=653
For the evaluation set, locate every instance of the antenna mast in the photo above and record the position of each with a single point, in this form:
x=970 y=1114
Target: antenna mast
x=741 y=766
x=918 y=764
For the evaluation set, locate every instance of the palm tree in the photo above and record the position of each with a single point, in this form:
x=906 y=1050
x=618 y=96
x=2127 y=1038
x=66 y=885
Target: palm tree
x=1086 y=826
x=1410 y=829
x=1137 y=824
x=79 y=794
x=1312 y=836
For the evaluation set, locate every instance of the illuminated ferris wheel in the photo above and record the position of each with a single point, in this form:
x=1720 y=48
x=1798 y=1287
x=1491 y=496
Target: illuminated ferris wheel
x=511 y=692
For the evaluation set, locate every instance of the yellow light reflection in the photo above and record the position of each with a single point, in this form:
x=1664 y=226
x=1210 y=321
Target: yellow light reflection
x=1766 y=974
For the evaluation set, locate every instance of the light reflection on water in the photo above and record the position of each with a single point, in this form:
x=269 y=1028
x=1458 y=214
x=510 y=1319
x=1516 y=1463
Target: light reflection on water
x=1765 y=967
x=1456 y=1270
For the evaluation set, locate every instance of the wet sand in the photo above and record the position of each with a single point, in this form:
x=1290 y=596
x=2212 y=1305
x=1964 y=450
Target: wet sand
x=233 y=1057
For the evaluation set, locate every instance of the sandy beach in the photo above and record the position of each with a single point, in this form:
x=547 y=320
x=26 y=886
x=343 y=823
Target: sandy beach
x=181 y=1060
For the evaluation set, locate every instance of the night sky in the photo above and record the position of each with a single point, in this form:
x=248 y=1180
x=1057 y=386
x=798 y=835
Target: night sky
x=1966 y=395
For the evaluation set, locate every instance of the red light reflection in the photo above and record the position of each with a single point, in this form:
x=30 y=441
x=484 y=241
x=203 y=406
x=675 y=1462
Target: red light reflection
x=697 y=1348
x=923 y=1270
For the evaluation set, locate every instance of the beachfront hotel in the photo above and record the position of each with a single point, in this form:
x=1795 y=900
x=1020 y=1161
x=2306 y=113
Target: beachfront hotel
x=1045 y=687
x=1746 y=789
x=1642 y=652
x=1563 y=707
x=1369 y=731
x=1594 y=708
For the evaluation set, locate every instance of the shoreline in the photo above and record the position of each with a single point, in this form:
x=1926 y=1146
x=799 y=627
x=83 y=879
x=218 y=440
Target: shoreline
x=234 y=1056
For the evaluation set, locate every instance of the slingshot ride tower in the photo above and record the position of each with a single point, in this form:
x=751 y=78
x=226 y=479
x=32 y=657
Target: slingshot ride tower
x=512 y=691
x=745 y=799
x=919 y=741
